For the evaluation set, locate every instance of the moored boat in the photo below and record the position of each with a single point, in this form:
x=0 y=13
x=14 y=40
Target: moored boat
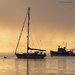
x=38 y=53
x=62 y=52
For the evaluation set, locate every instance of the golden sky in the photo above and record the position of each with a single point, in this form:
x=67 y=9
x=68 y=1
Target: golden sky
x=51 y=23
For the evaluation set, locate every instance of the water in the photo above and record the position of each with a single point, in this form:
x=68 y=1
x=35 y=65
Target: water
x=47 y=66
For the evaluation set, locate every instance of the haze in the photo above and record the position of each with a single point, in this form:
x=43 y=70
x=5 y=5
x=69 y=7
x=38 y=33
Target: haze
x=51 y=24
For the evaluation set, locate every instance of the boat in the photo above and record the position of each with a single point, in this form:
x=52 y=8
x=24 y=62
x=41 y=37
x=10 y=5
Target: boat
x=38 y=53
x=62 y=52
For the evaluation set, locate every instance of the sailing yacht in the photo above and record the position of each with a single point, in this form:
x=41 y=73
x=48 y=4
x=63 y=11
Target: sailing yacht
x=38 y=53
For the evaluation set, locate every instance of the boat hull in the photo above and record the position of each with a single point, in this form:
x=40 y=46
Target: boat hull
x=52 y=53
x=24 y=56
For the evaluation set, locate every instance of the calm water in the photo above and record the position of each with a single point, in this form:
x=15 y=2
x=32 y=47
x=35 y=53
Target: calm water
x=47 y=66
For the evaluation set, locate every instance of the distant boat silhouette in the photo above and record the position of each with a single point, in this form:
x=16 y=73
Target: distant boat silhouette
x=35 y=55
x=62 y=52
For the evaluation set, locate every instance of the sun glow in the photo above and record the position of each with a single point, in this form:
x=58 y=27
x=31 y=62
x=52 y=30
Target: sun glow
x=52 y=23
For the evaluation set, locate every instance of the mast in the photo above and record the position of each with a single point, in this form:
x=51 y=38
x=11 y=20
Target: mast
x=28 y=30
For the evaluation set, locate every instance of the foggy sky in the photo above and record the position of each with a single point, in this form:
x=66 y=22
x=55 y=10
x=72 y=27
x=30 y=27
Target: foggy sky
x=52 y=22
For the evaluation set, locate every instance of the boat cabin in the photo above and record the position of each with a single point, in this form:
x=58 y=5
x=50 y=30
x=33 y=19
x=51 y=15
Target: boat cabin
x=62 y=50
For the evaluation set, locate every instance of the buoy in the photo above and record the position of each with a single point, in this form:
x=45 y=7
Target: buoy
x=5 y=57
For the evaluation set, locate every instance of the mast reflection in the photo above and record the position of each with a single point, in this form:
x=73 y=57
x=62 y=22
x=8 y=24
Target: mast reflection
x=27 y=66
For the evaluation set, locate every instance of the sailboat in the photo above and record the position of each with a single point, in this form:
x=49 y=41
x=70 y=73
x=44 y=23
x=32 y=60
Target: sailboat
x=38 y=53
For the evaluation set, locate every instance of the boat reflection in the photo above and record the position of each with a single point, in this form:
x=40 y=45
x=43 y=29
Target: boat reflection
x=30 y=66
x=61 y=65
x=21 y=67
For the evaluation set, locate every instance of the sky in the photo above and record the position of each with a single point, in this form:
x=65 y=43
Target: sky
x=51 y=24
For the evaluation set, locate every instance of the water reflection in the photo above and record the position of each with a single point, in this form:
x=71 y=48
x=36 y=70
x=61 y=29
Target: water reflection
x=30 y=66
x=48 y=66
x=36 y=66
x=61 y=65
x=21 y=66
x=27 y=66
x=16 y=65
